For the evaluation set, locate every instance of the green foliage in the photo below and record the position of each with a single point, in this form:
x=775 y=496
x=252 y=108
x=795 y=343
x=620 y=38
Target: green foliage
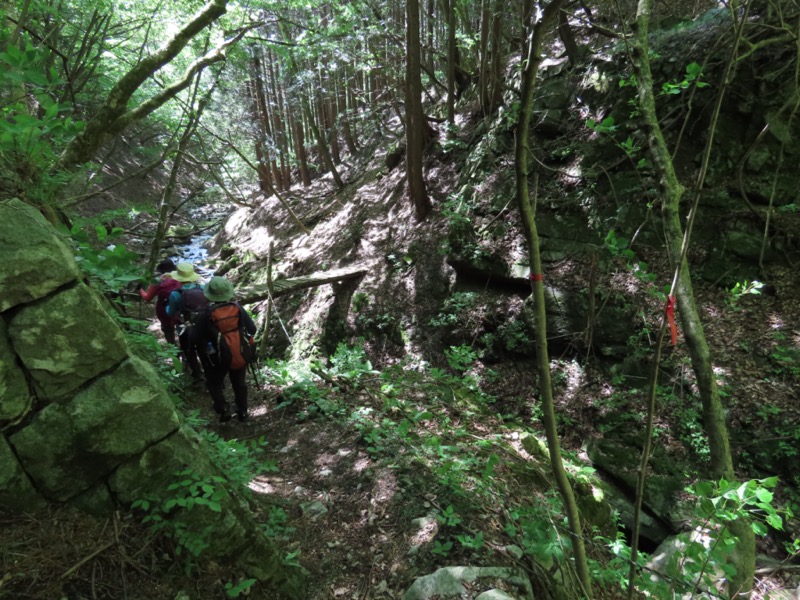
x=515 y=336
x=460 y=358
x=454 y=309
x=452 y=142
x=448 y=516
x=607 y=125
x=112 y=267
x=235 y=590
x=360 y=301
x=276 y=527
x=173 y=512
x=619 y=247
x=351 y=363
x=530 y=527
x=442 y=549
x=785 y=358
x=400 y=263
x=170 y=513
x=472 y=542
x=692 y=76
x=742 y=288
x=30 y=139
x=240 y=460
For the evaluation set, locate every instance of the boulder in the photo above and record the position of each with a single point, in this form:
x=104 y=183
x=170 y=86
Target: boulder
x=231 y=534
x=456 y=582
x=16 y=491
x=66 y=340
x=35 y=261
x=618 y=458
x=13 y=385
x=70 y=446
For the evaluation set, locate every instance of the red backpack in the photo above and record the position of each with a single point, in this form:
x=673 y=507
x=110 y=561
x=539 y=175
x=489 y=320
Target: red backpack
x=235 y=347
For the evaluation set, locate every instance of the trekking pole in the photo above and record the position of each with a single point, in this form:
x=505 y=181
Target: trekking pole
x=255 y=377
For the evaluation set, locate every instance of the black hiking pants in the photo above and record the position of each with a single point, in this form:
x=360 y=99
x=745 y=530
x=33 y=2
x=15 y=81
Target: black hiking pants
x=189 y=355
x=215 y=382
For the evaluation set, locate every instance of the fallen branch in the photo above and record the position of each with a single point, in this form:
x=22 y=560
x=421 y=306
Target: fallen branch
x=86 y=559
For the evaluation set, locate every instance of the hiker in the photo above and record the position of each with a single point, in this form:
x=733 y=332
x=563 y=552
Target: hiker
x=221 y=331
x=186 y=303
x=161 y=291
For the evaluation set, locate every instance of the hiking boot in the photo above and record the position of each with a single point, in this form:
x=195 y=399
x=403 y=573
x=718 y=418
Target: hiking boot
x=225 y=416
x=242 y=415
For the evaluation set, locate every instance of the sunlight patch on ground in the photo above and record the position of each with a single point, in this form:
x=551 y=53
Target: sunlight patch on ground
x=327 y=460
x=428 y=528
x=574 y=375
x=260 y=240
x=261 y=485
x=776 y=322
x=259 y=411
x=385 y=487
x=362 y=464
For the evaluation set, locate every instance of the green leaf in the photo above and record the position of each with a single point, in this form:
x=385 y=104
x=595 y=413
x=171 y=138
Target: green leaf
x=775 y=522
x=758 y=528
x=764 y=495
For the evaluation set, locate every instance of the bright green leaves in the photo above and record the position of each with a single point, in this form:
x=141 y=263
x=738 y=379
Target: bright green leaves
x=33 y=125
x=727 y=501
x=692 y=76
x=111 y=267
x=607 y=125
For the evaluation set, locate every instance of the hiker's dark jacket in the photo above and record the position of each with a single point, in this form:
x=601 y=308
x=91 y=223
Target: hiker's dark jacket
x=205 y=332
x=175 y=303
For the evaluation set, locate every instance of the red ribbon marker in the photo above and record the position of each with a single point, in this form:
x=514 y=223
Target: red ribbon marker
x=673 y=330
x=536 y=277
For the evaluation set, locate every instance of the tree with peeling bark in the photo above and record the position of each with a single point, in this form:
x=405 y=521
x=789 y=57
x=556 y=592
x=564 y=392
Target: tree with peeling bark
x=532 y=59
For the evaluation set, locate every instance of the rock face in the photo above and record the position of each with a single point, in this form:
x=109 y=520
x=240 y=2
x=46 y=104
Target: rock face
x=454 y=582
x=83 y=421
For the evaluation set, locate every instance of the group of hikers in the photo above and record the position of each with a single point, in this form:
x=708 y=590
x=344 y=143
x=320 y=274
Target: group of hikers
x=214 y=333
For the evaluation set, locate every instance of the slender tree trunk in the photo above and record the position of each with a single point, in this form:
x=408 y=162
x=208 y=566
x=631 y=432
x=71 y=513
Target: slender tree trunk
x=278 y=127
x=496 y=78
x=743 y=555
x=262 y=156
x=531 y=64
x=169 y=189
x=305 y=103
x=483 y=68
x=345 y=111
x=415 y=125
x=322 y=145
x=299 y=146
x=451 y=61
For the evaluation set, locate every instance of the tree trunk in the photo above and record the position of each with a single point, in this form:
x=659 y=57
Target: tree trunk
x=496 y=69
x=166 y=197
x=415 y=124
x=743 y=555
x=299 y=146
x=483 y=65
x=451 y=61
x=347 y=108
x=264 y=175
x=522 y=150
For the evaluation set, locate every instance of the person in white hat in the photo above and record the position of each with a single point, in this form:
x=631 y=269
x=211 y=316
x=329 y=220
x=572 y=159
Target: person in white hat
x=187 y=302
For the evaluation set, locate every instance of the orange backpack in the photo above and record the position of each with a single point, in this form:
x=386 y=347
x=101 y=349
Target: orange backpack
x=235 y=347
